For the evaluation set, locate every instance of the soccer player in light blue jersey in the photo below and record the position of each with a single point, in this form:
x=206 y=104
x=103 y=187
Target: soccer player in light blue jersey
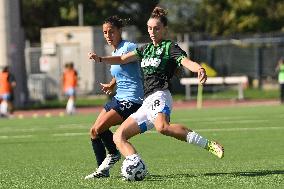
x=128 y=99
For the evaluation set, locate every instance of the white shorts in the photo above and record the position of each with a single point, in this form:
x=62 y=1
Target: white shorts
x=158 y=102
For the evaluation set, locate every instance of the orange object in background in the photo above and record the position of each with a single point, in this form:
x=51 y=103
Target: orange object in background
x=69 y=79
x=5 y=85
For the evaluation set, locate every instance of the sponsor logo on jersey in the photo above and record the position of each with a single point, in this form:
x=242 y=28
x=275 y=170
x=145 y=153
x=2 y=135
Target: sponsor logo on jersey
x=159 y=51
x=155 y=62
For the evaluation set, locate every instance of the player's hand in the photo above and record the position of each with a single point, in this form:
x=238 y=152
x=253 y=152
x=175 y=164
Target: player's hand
x=202 y=77
x=94 y=56
x=107 y=88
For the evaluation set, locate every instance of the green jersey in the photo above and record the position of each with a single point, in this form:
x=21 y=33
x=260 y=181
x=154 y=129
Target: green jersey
x=159 y=64
x=281 y=74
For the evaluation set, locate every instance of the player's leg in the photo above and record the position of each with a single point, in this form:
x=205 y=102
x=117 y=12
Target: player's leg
x=115 y=113
x=4 y=106
x=162 y=103
x=97 y=144
x=101 y=129
x=70 y=106
x=10 y=101
x=103 y=140
x=282 y=92
x=182 y=133
x=122 y=111
x=136 y=123
x=128 y=129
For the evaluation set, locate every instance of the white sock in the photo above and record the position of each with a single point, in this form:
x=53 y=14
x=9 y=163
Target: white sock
x=4 y=108
x=132 y=157
x=70 y=108
x=194 y=138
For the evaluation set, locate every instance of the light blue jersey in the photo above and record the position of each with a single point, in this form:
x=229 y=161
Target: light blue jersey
x=128 y=76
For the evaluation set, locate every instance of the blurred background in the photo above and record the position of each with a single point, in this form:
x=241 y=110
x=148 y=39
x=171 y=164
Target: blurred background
x=233 y=38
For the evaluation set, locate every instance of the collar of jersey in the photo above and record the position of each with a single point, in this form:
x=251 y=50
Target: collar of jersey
x=119 y=45
x=160 y=44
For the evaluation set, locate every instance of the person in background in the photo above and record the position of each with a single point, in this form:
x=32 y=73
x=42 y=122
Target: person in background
x=127 y=100
x=7 y=84
x=280 y=70
x=69 y=83
x=160 y=59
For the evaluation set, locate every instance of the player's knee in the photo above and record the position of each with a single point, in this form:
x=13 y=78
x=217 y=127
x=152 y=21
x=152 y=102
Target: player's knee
x=100 y=127
x=118 y=138
x=162 y=128
x=93 y=132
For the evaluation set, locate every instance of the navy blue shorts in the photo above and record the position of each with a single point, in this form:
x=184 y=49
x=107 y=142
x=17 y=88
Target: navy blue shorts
x=123 y=108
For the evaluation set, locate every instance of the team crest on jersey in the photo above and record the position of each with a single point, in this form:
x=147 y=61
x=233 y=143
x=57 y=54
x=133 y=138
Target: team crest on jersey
x=159 y=51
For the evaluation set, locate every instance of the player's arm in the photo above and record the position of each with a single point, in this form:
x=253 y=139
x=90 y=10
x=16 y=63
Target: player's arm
x=195 y=67
x=181 y=58
x=109 y=87
x=123 y=59
x=12 y=80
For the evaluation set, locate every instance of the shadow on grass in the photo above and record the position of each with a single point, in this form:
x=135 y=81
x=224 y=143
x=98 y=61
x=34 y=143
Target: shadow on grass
x=167 y=177
x=249 y=173
x=233 y=174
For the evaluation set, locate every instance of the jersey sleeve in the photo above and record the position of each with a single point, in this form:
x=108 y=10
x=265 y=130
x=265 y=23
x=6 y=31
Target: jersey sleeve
x=176 y=53
x=131 y=47
x=139 y=51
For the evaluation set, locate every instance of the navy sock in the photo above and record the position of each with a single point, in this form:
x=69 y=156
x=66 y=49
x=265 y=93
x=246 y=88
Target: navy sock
x=107 y=138
x=99 y=150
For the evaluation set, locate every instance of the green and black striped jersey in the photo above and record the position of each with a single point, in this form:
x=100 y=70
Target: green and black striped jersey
x=159 y=64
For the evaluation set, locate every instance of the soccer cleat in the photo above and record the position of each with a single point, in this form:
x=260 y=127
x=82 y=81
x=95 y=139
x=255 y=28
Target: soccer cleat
x=215 y=149
x=109 y=161
x=98 y=174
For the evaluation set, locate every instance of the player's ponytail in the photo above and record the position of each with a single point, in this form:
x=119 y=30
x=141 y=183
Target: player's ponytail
x=160 y=13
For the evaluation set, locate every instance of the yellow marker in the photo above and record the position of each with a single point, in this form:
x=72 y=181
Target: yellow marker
x=35 y=115
x=61 y=114
x=211 y=72
x=20 y=116
x=47 y=115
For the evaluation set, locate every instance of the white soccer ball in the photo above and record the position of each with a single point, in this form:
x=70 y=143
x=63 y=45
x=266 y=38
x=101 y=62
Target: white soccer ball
x=133 y=169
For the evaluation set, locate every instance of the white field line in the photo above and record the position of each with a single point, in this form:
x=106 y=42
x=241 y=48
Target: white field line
x=16 y=136
x=87 y=126
x=61 y=127
x=241 y=129
x=228 y=121
x=68 y=134
x=153 y=132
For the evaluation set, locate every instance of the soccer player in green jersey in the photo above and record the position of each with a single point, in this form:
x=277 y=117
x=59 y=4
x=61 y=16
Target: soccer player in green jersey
x=280 y=70
x=160 y=59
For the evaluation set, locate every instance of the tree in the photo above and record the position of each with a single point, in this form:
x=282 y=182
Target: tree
x=37 y=14
x=226 y=17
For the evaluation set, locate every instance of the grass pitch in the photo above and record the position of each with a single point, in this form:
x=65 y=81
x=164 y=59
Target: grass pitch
x=56 y=152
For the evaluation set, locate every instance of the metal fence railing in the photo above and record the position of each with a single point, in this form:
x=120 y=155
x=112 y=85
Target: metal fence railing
x=253 y=57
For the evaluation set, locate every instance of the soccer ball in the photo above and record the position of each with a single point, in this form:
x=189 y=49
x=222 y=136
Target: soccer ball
x=133 y=169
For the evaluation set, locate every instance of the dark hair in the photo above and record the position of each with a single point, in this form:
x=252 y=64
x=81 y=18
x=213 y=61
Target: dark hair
x=161 y=14
x=69 y=65
x=5 y=69
x=116 y=21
